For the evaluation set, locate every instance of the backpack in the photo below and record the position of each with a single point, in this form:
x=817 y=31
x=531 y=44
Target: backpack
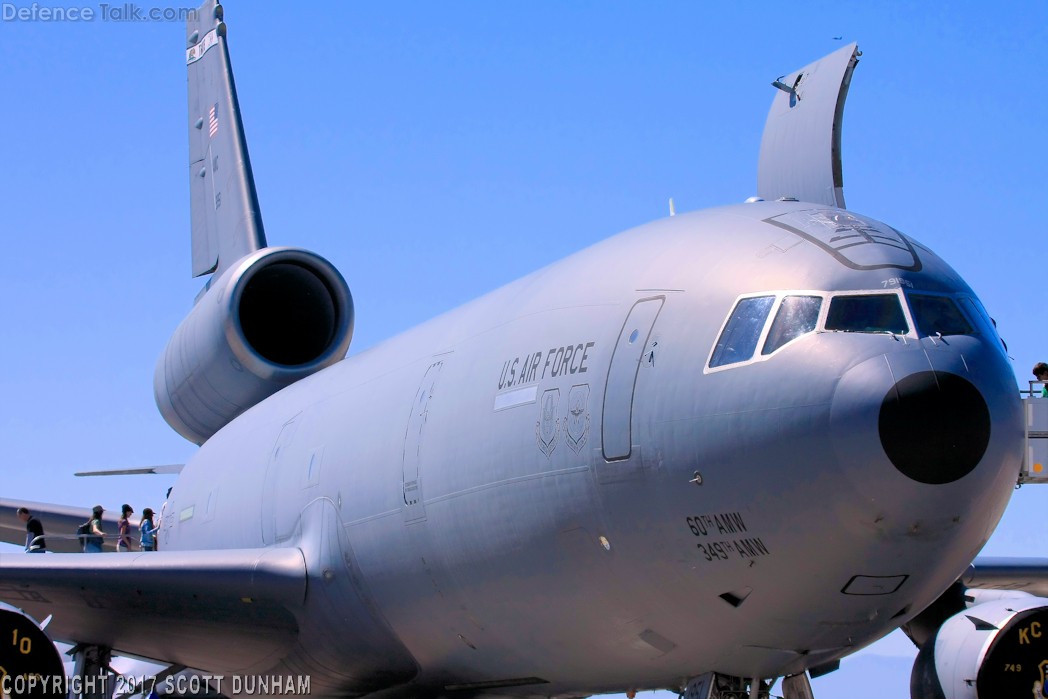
x=83 y=530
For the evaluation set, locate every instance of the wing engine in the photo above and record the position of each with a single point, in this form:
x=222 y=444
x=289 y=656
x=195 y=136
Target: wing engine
x=993 y=649
x=276 y=316
x=30 y=665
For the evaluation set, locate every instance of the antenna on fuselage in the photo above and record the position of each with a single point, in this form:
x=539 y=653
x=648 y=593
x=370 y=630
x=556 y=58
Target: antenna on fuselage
x=673 y=209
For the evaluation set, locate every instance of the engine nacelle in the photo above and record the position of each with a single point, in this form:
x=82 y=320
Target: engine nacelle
x=276 y=316
x=30 y=664
x=995 y=649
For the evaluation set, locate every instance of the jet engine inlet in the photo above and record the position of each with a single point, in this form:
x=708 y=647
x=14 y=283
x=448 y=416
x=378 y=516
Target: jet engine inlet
x=934 y=427
x=30 y=662
x=273 y=318
x=998 y=646
x=288 y=314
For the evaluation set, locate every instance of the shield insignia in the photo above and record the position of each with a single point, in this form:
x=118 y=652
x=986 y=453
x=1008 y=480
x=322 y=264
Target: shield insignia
x=548 y=426
x=855 y=242
x=578 y=419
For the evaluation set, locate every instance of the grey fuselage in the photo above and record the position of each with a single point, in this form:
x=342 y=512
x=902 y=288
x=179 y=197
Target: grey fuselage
x=551 y=482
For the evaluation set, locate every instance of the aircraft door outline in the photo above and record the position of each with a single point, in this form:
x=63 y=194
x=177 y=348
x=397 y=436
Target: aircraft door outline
x=617 y=414
x=277 y=460
x=413 y=508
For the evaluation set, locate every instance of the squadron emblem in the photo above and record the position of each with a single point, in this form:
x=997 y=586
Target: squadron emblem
x=853 y=241
x=548 y=426
x=578 y=419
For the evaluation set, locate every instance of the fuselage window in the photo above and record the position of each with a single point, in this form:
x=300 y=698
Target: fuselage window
x=873 y=313
x=797 y=316
x=938 y=315
x=738 y=340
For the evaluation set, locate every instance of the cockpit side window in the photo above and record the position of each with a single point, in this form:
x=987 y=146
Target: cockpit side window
x=872 y=313
x=938 y=315
x=738 y=340
x=797 y=316
x=987 y=325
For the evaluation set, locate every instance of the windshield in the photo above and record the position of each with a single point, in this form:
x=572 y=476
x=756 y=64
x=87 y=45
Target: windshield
x=797 y=316
x=738 y=341
x=938 y=315
x=872 y=313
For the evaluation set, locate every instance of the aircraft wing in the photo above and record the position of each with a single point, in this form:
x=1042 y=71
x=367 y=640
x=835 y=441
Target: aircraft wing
x=179 y=607
x=1025 y=574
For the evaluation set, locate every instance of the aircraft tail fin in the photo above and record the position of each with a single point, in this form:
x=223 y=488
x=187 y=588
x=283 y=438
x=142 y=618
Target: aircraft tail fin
x=226 y=217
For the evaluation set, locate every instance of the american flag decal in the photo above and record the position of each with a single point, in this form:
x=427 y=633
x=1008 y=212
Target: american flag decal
x=212 y=121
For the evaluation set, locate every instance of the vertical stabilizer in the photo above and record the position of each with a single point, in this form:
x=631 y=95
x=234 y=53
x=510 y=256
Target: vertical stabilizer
x=226 y=218
x=801 y=147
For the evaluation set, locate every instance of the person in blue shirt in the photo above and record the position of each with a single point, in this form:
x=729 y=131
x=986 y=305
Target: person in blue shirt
x=148 y=530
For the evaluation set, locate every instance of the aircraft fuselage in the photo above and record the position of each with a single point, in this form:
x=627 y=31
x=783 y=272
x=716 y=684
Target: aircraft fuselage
x=580 y=479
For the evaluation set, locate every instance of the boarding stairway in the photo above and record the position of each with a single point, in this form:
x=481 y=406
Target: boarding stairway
x=1035 y=456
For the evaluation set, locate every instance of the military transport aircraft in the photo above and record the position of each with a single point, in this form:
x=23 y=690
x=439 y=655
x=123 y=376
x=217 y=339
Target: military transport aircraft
x=579 y=483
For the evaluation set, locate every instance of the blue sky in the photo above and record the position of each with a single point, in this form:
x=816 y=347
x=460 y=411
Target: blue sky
x=435 y=151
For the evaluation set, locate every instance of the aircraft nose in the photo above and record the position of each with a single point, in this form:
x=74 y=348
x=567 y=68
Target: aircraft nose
x=934 y=426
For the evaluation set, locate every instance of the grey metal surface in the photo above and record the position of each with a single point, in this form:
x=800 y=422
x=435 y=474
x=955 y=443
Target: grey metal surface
x=141 y=471
x=490 y=502
x=801 y=148
x=617 y=418
x=275 y=316
x=994 y=573
x=520 y=528
x=192 y=607
x=225 y=213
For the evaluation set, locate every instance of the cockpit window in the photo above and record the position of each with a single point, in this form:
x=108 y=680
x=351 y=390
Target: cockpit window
x=873 y=313
x=738 y=340
x=797 y=315
x=987 y=325
x=938 y=315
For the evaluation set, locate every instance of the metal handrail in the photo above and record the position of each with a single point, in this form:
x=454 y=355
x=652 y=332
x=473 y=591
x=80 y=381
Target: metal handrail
x=67 y=537
x=1032 y=392
x=33 y=543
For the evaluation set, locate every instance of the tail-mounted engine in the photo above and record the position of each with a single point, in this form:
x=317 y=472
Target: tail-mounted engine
x=276 y=316
x=997 y=648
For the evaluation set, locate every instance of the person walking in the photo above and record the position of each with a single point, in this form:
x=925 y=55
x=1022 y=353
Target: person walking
x=95 y=536
x=34 y=532
x=147 y=530
x=123 y=542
